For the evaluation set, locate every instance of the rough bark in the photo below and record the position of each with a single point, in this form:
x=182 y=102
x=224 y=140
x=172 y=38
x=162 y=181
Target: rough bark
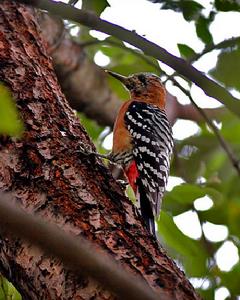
x=50 y=178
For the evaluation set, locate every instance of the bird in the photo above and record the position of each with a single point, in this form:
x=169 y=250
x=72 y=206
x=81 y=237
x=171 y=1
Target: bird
x=143 y=142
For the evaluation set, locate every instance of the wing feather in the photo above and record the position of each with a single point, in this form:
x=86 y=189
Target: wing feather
x=152 y=148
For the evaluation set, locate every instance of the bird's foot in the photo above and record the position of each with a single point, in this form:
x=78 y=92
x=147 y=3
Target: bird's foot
x=84 y=149
x=123 y=183
x=87 y=150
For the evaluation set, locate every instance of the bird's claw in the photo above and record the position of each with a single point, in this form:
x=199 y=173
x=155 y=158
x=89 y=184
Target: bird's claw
x=123 y=183
x=87 y=150
x=84 y=149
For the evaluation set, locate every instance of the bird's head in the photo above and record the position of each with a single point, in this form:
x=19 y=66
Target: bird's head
x=145 y=87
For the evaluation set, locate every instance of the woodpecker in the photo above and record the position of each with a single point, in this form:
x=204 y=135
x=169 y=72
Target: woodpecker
x=143 y=142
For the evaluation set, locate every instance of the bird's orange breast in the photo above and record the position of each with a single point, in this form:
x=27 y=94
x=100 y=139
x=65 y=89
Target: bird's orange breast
x=121 y=136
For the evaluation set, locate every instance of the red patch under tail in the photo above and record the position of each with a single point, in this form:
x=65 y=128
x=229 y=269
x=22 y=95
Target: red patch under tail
x=132 y=175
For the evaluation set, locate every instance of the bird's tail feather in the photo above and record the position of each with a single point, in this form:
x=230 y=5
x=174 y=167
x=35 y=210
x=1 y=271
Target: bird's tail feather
x=146 y=209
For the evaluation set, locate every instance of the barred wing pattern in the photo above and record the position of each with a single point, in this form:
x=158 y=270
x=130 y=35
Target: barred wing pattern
x=152 y=148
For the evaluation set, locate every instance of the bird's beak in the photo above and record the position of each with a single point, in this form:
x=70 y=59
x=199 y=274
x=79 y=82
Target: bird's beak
x=123 y=79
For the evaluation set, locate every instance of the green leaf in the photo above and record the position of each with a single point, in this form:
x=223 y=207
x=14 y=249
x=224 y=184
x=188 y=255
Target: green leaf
x=135 y=64
x=194 y=255
x=187 y=193
x=207 y=294
x=233 y=217
x=174 y=207
x=92 y=128
x=2 y=294
x=13 y=294
x=10 y=123
x=186 y=51
x=216 y=163
x=174 y=237
x=3 y=288
x=216 y=215
x=97 y=6
x=7 y=290
x=231 y=279
x=202 y=30
x=227 y=69
x=112 y=51
x=227 y=5
x=118 y=88
x=189 y=9
x=231 y=130
x=128 y=60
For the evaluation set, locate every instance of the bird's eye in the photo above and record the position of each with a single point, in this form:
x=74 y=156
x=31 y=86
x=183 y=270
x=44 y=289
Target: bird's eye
x=142 y=78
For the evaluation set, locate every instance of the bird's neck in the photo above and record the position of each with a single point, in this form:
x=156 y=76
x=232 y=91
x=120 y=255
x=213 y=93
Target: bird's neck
x=154 y=97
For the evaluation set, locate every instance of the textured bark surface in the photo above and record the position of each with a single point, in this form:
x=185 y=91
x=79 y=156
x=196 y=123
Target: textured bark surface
x=48 y=177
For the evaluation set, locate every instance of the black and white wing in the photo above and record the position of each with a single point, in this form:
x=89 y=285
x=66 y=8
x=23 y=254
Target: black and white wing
x=152 y=148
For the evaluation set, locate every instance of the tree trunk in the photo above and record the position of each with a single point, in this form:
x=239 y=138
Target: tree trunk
x=49 y=177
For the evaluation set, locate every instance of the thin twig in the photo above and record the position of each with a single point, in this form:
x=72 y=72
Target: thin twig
x=235 y=162
x=222 y=45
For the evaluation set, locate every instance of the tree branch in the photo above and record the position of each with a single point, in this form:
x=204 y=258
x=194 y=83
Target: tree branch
x=222 y=45
x=174 y=109
x=210 y=87
x=62 y=47
x=95 y=99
